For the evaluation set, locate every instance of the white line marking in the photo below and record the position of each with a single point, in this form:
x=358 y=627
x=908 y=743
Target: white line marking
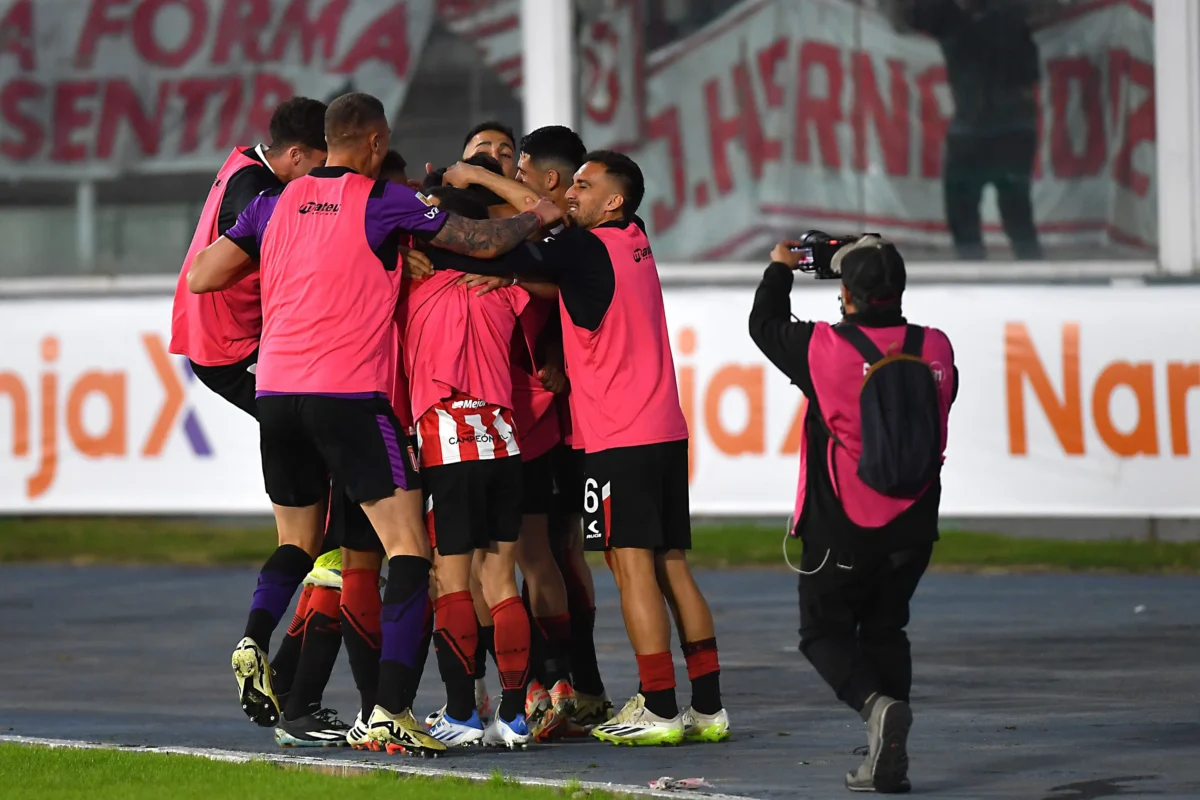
x=347 y=767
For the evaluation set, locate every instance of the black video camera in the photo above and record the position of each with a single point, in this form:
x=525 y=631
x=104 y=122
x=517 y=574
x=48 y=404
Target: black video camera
x=817 y=249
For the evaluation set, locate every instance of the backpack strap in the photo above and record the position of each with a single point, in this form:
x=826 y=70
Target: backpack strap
x=914 y=341
x=861 y=342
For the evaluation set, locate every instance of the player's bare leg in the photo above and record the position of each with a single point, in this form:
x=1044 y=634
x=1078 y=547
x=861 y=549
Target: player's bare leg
x=705 y=719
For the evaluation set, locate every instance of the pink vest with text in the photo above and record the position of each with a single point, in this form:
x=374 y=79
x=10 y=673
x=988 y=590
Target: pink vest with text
x=223 y=327
x=623 y=388
x=837 y=371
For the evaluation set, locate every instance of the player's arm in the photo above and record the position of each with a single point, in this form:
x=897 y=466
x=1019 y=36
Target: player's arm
x=245 y=185
x=783 y=340
x=234 y=255
x=393 y=207
x=517 y=195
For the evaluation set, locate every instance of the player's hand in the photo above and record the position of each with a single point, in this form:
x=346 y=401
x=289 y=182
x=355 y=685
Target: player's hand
x=554 y=379
x=549 y=212
x=784 y=255
x=462 y=175
x=416 y=263
x=487 y=283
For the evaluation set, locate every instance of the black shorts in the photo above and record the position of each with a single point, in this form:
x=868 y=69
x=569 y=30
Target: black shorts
x=471 y=504
x=305 y=439
x=538 y=484
x=234 y=382
x=637 y=497
x=348 y=524
x=568 y=479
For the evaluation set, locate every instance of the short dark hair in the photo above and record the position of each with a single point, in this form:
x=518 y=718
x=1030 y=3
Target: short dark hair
x=353 y=116
x=487 y=162
x=393 y=162
x=299 y=121
x=459 y=201
x=627 y=173
x=555 y=143
x=489 y=125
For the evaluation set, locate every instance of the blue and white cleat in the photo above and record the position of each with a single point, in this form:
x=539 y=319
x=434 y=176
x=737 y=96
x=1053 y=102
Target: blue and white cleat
x=453 y=733
x=512 y=735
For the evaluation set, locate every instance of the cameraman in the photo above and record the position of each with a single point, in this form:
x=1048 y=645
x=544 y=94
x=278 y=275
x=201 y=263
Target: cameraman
x=864 y=551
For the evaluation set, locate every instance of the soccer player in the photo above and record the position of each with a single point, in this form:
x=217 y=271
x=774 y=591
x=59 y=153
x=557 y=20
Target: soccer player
x=456 y=356
x=330 y=277
x=219 y=333
x=623 y=385
x=496 y=140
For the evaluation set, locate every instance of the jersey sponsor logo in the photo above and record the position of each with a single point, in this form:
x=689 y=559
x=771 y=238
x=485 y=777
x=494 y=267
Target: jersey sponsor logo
x=432 y=212
x=478 y=438
x=313 y=207
x=640 y=253
x=468 y=404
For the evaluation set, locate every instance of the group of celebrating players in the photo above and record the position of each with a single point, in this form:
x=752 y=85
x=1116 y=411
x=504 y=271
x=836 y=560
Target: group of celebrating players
x=462 y=380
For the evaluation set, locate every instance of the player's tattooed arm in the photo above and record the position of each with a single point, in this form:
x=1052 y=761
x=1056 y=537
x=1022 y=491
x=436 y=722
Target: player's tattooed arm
x=494 y=237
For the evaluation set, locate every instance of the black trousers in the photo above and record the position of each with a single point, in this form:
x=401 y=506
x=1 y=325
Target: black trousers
x=1004 y=160
x=852 y=621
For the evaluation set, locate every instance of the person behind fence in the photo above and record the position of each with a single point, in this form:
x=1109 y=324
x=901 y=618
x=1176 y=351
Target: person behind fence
x=879 y=392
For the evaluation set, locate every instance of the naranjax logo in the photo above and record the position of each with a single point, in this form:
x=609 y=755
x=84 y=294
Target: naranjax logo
x=312 y=207
x=109 y=387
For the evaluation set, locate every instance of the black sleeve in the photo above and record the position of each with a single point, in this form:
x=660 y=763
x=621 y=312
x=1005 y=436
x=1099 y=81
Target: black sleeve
x=954 y=391
x=781 y=339
x=245 y=185
x=938 y=18
x=576 y=260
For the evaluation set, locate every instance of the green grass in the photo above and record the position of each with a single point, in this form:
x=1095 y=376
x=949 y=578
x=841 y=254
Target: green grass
x=142 y=540
x=39 y=773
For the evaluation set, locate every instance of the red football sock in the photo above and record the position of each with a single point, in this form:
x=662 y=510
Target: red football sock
x=360 y=621
x=512 y=654
x=704 y=671
x=456 y=638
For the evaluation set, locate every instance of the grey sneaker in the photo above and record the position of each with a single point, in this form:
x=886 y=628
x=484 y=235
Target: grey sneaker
x=885 y=769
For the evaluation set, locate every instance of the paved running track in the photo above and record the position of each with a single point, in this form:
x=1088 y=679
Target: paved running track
x=1035 y=686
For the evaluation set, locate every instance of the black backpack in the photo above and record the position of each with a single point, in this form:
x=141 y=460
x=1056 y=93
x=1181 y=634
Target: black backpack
x=901 y=415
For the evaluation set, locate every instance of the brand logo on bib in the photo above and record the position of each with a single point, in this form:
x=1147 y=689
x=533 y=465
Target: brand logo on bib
x=320 y=208
x=640 y=253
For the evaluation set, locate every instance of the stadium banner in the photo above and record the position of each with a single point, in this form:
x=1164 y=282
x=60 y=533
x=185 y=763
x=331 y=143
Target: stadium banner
x=782 y=116
x=1073 y=401
x=99 y=88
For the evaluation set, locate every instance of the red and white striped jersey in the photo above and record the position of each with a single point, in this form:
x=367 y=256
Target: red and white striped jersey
x=461 y=428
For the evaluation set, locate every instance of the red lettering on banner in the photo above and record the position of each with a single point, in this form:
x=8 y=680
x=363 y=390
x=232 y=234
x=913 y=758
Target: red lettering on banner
x=148 y=46
x=241 y=23
x=196 y=92
x=99 y=24
x=323 y=30
x=934 y=124
x=269 y=91
x=744 y=124
x=32 y=135
x=768 y=63
x=823 y=112
x=892 y=130
x=17 y=25
x=665 y=125
x=68 y=118
x=385 y=39
x=1068 y=75
x=122 y=102
x=1139 y=124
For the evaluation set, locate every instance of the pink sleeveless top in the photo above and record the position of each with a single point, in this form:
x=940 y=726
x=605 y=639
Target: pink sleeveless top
x=837 y=371
x=456 y=340
x=328 y=302
x=223 y=327
x=623 y=388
